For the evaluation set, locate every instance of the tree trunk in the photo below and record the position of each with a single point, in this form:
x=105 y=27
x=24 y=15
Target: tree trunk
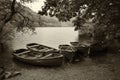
x=2 y=23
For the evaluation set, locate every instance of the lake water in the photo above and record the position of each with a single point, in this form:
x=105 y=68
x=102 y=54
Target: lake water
x=50 y=36
x=100 y=67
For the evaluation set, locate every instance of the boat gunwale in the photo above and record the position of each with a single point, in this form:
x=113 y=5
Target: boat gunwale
x=55 y=57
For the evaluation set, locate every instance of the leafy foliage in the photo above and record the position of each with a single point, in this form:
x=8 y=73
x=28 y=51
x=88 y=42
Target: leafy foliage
x=105 y=13
x=12 y=16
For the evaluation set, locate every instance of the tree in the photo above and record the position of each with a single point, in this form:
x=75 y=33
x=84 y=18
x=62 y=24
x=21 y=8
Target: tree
x=12 y=17
x=104 y=13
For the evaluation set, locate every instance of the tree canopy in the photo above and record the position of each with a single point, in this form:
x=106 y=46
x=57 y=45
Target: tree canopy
x=13 y=15
x=104 y=13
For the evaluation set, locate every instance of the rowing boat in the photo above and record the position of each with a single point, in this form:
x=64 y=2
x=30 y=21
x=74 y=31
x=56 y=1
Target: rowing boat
x=38 y=58
x=82 y=49
x=67 y=51
x=40 y=48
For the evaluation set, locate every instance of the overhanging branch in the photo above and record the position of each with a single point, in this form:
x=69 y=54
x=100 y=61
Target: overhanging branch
x=12 y=11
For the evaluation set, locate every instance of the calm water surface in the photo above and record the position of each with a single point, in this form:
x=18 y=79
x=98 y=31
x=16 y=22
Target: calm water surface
x=51 y=36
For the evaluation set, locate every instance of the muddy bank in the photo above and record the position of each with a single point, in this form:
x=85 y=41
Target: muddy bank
x=105 y=67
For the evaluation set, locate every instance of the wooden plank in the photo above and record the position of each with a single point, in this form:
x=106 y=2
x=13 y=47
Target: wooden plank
x=46 y=56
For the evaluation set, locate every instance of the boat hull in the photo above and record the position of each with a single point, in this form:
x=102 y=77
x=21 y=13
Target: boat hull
x=67 y=51
x=42 y=62
x=50 y=61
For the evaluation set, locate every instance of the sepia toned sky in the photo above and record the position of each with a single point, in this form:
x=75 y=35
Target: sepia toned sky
x=35 y=5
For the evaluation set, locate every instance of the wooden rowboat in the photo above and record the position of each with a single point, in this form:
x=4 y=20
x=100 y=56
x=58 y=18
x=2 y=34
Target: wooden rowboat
x=38 y=58
x=67 y=51
x=82 y=49
x=75 y=44
x=40 y=48
x=78 y=44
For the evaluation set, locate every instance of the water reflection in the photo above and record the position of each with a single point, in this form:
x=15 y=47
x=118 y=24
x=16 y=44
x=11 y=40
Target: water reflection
x=51 y=36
